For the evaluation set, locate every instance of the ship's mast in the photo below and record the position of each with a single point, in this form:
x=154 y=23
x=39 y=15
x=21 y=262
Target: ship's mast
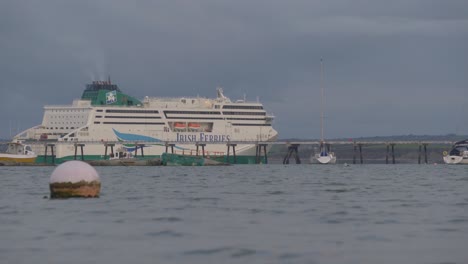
x=321 y=99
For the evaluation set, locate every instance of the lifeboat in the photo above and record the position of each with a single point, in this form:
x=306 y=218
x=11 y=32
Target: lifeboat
x=179 y=126
x=194 y=126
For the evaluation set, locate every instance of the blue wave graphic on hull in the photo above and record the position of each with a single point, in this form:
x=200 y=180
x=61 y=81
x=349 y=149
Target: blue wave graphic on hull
x=134 y=137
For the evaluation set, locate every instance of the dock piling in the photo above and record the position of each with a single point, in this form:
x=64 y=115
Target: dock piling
x=202 y=145
x=292 y=149
x=360 y=153
x=229 y=145
x=258 y=153
x=106 y=145
x=170 y=145
x=76 y=150
x=425 y=153
x=386 y=156
x=354 y=153
x=52 y=146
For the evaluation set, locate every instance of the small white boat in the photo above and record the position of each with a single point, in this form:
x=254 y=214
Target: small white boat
x=325 y=156
x=17 y=153
x=458 y=154
x=124 y=157
x=121 y=154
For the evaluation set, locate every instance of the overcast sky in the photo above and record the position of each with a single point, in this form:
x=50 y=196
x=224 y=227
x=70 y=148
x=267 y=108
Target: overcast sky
x=390 y=67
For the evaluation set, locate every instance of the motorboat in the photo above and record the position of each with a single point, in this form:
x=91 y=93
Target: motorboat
x=458 y=154
x=17 y=153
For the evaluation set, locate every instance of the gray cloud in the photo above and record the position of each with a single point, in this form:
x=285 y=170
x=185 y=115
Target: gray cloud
x=391 y=67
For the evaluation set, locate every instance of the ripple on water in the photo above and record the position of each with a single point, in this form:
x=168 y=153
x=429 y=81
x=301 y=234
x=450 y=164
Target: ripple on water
x=374 y=238
x=164 y=233
x=201 y=199
x=287 y=256
x=168 y=219
x=458 y=220
x=242 y=252
x=447 y=229
x=210 y=251
x=231 y=251
x=343 y=190
x=275 y=192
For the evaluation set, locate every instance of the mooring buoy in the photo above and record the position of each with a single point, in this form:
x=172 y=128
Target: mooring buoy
x=74 y=179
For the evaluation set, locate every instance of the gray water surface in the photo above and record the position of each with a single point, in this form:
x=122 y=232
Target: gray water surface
x=241 y=214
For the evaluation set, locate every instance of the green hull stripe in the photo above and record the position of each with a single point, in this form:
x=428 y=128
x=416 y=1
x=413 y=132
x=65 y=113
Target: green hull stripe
x=239 y=159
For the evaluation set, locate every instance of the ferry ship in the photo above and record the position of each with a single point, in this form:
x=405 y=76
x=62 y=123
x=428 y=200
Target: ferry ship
x=105 y=114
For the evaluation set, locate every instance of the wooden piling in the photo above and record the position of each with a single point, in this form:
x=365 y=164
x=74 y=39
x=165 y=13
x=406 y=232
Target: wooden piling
x=258 y=153
x=292 y=149
x=233 y=151
x=425 y=153
x=203 y=148
x=52 y=146
x=170 y=145
x=419 y=154
x=142 y=152
x=106 y=145
x=386 y=156
x=360 y=153
x=354 y=153
x=76 y=150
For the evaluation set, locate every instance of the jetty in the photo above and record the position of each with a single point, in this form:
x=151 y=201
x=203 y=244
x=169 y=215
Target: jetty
x=292 y=154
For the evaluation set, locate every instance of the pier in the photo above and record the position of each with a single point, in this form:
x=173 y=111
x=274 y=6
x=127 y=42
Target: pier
x=292 y=153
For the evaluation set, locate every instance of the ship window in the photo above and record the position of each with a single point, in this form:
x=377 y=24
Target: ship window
x=230 y=118
x=98 y=116
x=134 y=117
x=132 y=111
x=99 y=110
x=193 y=112
x=198 y=118
x=244 y=113
x=242 y=107
x=97 y=122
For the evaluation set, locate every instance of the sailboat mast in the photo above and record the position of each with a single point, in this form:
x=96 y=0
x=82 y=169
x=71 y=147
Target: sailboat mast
x=321 y=99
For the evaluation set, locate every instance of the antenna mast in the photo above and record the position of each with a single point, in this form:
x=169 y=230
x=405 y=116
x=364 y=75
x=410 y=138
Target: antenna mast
x=321 y=98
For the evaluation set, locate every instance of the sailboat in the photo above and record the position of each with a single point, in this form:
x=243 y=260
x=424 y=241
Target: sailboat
x=325 y=156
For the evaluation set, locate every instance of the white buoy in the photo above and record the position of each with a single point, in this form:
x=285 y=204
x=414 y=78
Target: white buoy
x=74 y=179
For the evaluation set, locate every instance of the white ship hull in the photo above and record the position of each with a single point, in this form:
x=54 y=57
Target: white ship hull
x=63 y=151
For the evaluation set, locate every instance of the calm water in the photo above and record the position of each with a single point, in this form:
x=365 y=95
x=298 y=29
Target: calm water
x=241 y=214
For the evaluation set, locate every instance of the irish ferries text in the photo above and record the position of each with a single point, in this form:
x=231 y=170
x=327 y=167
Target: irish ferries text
x=202 y=137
